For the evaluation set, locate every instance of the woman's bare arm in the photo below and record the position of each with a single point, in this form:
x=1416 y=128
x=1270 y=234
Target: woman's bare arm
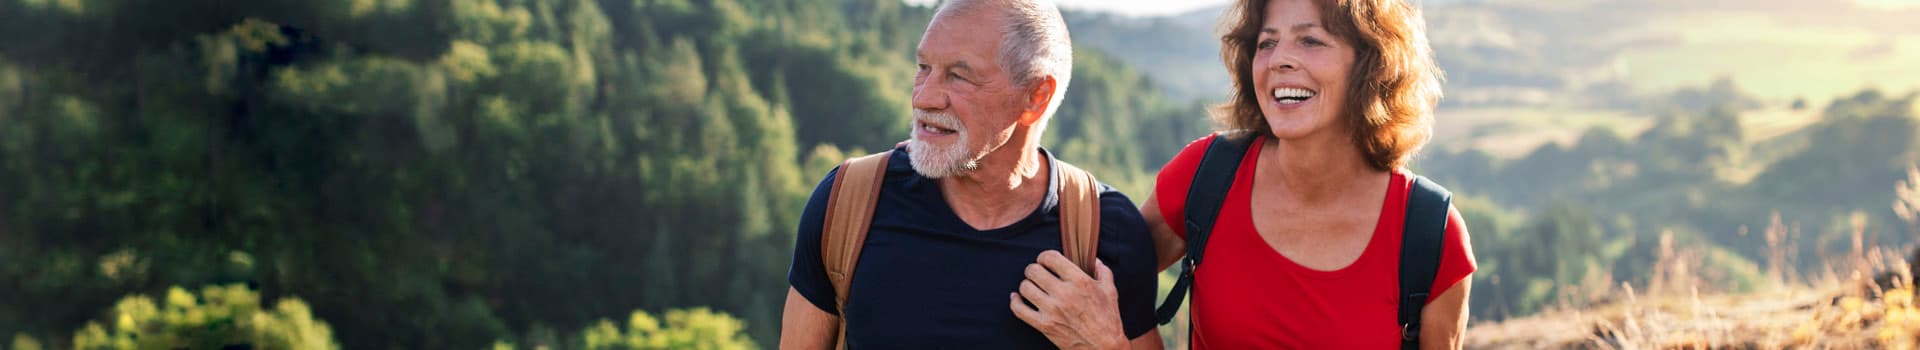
x=1443 y=323
x=1167 y=246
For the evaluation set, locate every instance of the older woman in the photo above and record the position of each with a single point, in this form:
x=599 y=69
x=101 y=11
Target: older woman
x=1331 y=98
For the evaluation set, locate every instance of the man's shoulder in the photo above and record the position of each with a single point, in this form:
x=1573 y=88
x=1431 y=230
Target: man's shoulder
x=1118 y=212
x=1112 y=201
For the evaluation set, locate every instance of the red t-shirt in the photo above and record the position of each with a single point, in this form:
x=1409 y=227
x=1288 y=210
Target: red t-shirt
x=1248 y=296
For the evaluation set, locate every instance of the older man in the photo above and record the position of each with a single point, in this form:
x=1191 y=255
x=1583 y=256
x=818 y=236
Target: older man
x=951 y=239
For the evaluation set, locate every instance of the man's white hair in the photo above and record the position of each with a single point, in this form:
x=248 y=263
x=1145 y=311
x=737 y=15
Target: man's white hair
x=1033 y=44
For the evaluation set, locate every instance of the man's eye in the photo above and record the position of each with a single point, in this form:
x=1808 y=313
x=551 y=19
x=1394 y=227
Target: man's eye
x=956 y=76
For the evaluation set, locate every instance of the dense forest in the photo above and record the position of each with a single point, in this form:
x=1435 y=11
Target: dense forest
x=452 y=173
x=473 y=173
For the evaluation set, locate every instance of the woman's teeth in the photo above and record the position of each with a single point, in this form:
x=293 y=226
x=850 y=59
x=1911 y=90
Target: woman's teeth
x=1292 y=95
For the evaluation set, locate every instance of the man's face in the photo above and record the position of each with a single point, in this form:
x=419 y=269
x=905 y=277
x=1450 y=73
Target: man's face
x=965 y=105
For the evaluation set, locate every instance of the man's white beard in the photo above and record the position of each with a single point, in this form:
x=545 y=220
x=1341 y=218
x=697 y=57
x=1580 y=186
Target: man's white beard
x=940 y=161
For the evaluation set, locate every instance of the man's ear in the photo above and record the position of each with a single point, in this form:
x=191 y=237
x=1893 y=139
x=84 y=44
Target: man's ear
x=1038 y=98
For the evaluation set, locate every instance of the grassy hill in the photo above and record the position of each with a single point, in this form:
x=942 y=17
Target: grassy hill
x=1869 y=304
x=1582 y=52
x=1788 y=318
x=1540 y=72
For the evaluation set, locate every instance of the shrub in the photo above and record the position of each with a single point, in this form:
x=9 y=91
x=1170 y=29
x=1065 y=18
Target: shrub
x=217 y=317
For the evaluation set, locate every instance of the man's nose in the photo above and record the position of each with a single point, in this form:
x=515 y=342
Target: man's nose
x=927 y=97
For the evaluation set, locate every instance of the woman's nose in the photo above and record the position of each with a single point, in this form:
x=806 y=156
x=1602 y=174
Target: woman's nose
x=1282 y=63
x=1285 y=64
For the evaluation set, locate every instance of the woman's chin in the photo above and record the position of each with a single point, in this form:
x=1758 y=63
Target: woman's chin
x=1289 y=128
x=1298 y=123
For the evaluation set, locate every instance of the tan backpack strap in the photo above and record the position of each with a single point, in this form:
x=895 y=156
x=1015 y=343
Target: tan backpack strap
x=1079 y=215
x=849 y=213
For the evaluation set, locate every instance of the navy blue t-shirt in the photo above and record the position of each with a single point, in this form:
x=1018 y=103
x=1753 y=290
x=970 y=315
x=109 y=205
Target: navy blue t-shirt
x=927 y=280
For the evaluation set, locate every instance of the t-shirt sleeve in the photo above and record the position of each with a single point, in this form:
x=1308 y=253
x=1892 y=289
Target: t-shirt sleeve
x=1170 y=187
x=1127 y=249
x=1456 y=255
x=806 y=273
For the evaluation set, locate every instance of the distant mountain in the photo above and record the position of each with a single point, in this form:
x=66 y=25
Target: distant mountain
x=1178 y=52
x=1487 y=62
x=1590 y=54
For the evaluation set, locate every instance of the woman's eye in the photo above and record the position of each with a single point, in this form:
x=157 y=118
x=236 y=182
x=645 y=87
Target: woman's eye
x=1311 y=41
x=1267 y=44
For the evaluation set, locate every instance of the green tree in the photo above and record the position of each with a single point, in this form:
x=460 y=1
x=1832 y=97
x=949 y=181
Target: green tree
x=217 y=317
x=697 y=328
x=436 y=174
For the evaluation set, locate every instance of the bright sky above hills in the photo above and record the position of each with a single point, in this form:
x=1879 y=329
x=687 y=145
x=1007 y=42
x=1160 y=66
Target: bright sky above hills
x=1127 y=7
x=1168 y=7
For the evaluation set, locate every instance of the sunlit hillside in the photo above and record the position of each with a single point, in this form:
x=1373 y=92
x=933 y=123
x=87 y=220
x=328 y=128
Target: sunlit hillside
x=633 y=174
x=1867 y=304
x=1544 y=71
x=1518 y=51
x=1799 y=317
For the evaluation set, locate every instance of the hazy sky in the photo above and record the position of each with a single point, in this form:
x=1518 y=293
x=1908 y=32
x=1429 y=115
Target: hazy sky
x=1167 y=7
x=1129 y=7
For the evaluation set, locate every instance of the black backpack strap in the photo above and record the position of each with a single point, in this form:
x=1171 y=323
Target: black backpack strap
x=1420 y=246
x=1211 y=180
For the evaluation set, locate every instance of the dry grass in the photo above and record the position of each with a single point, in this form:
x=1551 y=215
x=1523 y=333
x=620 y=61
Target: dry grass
x=1871 y=307
x=1788 y=318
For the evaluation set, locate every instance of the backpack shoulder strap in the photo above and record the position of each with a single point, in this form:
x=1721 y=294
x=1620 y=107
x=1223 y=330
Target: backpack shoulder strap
x=849 y=212
x=1420 y=245
x=1079 y=215
x=1211 y=181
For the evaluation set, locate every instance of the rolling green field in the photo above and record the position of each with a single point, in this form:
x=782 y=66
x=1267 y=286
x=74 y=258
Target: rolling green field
x=1511 y=132
x=1775 y=59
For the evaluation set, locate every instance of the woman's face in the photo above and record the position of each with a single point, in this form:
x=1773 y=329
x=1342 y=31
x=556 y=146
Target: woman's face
x=1300 y=71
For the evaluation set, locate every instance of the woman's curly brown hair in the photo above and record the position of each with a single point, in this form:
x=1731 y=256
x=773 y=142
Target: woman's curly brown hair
x=1391 y=90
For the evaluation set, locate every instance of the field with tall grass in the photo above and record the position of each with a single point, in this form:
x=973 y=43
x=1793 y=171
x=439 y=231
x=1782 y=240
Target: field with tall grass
x=1862 y=299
